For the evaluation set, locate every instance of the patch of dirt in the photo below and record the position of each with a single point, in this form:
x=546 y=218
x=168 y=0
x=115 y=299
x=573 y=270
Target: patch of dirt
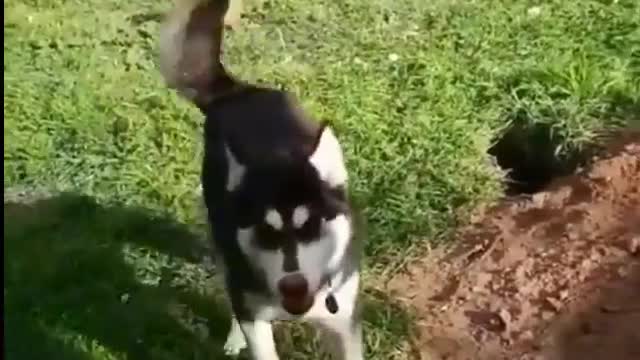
x=553 y=276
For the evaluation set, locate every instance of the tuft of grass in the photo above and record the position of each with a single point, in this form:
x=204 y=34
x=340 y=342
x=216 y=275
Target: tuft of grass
x=418 y=91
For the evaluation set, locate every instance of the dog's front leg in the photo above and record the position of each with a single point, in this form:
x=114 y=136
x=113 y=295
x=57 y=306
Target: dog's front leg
x=259 y=337
x=343 y=339
x=235 y=340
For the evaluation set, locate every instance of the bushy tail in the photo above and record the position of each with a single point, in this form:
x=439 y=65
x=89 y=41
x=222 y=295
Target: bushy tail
x=190 y=46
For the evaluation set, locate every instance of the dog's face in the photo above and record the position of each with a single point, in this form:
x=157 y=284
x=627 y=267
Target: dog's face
x=294 y=222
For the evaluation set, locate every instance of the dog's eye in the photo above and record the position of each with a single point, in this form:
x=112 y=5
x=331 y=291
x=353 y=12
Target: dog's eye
x=310 y=230
x=267 y=237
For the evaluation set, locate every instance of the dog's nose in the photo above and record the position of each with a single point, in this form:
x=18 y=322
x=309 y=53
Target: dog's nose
x=293 y=286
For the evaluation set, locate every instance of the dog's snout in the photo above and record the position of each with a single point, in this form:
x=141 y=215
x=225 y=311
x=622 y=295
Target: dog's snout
x=293 y=286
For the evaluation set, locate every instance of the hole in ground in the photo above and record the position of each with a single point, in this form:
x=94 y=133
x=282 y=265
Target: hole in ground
x=528 y=152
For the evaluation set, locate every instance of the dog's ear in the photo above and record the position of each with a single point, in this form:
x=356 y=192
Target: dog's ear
x=190 y=47
x=235 y=170
x=327 y=158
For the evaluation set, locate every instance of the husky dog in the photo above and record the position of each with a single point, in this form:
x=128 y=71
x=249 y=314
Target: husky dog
x=275 y=187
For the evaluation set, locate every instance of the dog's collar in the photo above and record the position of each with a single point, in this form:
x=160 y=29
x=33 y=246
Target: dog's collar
x=330 y=301
x=329 y=280
x=332 y=286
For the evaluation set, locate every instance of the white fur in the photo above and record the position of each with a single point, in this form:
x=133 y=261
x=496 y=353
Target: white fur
x=300 y=216
x=345 y=296
x=315 y=258
x=266 y=308
x=259 y=337
x=338 y=229
x=342 y=333
x=235 y=172
x=236 y=341
x=269 y=261
x=328 y=159
x=269 y=309
x=273 y=218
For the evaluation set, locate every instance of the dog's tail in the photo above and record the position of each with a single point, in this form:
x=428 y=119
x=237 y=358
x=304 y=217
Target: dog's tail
x=190 y=47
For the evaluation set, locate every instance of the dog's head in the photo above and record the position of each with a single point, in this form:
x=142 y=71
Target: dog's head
x=294 y=223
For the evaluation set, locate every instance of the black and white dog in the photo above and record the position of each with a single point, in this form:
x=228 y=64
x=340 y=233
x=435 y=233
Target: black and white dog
x=275 y=187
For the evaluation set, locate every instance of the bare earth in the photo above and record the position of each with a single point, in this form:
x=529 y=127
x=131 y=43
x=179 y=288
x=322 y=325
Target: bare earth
x=555 y=276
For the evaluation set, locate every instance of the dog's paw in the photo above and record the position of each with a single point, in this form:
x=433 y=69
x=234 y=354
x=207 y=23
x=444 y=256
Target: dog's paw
x=234 y=345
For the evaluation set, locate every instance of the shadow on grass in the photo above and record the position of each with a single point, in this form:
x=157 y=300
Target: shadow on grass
x=73 y=290
x=387 y=326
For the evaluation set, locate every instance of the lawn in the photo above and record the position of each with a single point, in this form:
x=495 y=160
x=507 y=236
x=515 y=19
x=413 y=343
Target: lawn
x=105 y=256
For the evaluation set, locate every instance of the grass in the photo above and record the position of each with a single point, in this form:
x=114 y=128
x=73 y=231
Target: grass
x=417 y=90
x=89 y=281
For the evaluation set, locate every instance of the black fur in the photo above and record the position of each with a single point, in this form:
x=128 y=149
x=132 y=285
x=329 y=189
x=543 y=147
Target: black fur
x=266 y=132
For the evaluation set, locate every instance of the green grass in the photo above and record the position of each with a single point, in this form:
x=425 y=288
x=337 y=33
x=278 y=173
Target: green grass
x=89 y=281
x=417 y=90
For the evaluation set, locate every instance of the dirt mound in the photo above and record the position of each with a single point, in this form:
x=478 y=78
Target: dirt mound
x=554 y=276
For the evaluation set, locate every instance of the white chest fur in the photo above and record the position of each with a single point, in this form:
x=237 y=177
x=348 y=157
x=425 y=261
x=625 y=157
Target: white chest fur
x=269 y=309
